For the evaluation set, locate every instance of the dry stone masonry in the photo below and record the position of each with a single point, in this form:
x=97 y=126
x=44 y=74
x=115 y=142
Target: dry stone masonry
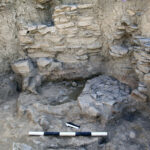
x=122 y=43
x=141 y=54
x=73 y=46
x=62 y=48
x=74 y=36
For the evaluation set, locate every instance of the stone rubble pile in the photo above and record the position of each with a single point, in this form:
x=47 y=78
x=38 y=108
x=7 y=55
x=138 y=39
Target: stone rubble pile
x=104 y=97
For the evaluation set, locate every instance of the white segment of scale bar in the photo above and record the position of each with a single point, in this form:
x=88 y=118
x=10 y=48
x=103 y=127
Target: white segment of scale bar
x=67 y=134
x=36 y=133
x=99 y=133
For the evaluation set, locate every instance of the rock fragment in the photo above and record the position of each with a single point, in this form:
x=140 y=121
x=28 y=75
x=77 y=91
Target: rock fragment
x=118 y=51
x=147 y=78
x=43 y=62
x=32 y=83
x=23 y=67
x=138 y=96
x=130 y=12
x=142 y=88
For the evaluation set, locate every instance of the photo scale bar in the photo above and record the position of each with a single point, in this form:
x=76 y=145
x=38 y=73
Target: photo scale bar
x=68 y=133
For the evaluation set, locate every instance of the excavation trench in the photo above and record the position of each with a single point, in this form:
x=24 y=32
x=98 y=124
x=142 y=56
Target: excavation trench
x=80 y=61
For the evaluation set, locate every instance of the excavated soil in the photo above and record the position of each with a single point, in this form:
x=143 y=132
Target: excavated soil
x=58 y=103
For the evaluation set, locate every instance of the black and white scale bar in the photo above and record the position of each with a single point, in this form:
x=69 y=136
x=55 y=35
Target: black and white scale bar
x=68 y=133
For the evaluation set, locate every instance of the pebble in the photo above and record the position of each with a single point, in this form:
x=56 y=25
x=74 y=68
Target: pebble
x=74 y=84
x=132 y=135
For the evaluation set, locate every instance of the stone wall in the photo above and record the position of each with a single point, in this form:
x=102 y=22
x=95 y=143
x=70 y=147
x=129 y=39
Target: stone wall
x=63 y=50
x=74 y=36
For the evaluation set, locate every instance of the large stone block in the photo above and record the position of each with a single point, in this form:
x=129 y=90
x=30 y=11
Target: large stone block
x=23 y=67
x=147 y=78
x=65 y=25
x=94 y=45
x=145 y=68
x=69 y=31
x=56 y=39
x=88 y=33
x=43 y=62
x=85 y=21
x=103 y=97
x=62 y=8
x=45 y=30
x=136 y=95
x=23 y=32
x=81 y=40
x=38 y=54
x=60 y=48
x=26 y=40
x=118 y=51
x=67 y=58
x=84 y=6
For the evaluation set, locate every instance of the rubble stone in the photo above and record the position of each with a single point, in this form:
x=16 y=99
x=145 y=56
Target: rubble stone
x=118 y=51
x=147 y=78
x=142 y=88
x=103 y=96
x=23 y=67
x=138 y=96
x=43 y=62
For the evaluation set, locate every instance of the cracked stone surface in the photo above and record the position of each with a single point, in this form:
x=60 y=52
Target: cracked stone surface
x=104 y=97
